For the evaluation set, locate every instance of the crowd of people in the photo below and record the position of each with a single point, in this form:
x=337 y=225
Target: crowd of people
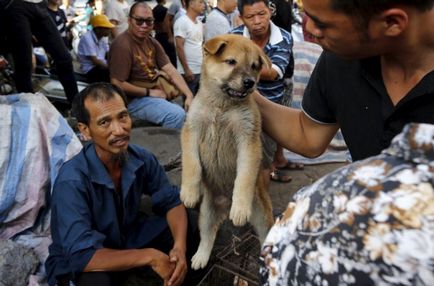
x=374 y=78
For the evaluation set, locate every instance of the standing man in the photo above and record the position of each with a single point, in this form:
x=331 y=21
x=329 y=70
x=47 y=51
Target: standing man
x=188 y=32
x=277 y=45
x=117 y=12
x=141 y=68
x=93 y=48
x=24 y=18
x=161 y=30
x=375 y=75
x=97 y=231
x=218 y=22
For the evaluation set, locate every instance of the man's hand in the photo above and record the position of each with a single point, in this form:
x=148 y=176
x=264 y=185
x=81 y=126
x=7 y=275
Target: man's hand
x=187 y=102
x=188 y=75
x=163 y=266
x=3 y=62
x=177 y=257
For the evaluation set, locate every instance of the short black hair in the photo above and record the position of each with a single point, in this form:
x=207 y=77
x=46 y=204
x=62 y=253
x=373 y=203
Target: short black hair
x=365 y=9
x=99 y=91
x=242 y=3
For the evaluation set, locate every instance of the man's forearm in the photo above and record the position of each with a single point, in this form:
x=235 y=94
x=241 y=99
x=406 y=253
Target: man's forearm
x=293 y=130
x=106 y=259
x=177 y=220
x=178 y=80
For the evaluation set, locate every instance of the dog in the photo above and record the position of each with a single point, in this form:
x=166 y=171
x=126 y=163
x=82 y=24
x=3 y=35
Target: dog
x=221 y=143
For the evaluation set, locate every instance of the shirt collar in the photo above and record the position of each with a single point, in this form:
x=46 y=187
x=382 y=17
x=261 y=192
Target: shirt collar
x=275 y=34
x=98 y=172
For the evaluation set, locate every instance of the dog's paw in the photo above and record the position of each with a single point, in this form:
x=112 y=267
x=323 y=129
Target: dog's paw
x=189 y=197
x=239 y=216
x=199 y=260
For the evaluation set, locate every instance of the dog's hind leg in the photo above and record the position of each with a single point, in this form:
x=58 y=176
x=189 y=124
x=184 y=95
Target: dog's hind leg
x=262 y=217
x=210 y=219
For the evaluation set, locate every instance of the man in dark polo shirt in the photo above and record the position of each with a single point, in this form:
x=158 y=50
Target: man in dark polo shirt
x=376 y=74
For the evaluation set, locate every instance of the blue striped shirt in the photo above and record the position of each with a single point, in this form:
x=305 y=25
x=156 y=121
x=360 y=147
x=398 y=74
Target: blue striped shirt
x=279 y=50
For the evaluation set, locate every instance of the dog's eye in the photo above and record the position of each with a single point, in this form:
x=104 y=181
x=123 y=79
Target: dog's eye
x=231 y=62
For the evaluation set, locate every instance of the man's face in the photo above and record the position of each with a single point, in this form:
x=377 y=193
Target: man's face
x=198 y=6
x=337 y=32
x=141 y=22
x=256 y=17
x=230 y=5
x=109 y=126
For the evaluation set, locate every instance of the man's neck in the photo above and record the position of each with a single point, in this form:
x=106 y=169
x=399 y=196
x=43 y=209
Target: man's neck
x=221 y=8
x=192 y=15
x=53 y=7
x=262 y=40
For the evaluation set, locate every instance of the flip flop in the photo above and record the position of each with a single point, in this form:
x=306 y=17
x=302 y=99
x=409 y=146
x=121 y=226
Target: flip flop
x=291 y=166
x=280 y=177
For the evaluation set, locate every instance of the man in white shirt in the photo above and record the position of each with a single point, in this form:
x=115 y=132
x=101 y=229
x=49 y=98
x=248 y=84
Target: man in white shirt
x=188 y=32
x=117 y=11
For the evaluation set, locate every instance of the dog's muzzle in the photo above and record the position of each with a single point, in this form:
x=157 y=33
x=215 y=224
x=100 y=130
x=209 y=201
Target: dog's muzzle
x=235 y=93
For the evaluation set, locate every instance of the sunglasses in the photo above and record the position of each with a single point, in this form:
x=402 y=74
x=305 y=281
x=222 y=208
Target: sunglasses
x=140 y=21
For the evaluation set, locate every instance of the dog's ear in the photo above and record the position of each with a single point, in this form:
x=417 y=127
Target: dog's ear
x=215 y=45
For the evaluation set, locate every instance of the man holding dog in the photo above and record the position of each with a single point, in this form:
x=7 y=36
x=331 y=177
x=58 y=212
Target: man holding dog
x=141 y=68
x=99 y=237
x=375 y=75
x=277 y=45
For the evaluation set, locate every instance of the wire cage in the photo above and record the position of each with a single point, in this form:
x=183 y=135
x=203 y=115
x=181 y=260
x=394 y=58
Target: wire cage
x=237 y=264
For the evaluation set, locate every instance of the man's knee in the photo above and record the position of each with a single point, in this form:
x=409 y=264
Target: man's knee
x=175 y=119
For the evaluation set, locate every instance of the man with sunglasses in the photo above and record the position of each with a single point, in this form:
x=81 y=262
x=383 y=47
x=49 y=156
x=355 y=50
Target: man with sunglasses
x=141 y=68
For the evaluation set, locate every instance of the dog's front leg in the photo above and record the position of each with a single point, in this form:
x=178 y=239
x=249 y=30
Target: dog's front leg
x=248 y=164
x=191 y=168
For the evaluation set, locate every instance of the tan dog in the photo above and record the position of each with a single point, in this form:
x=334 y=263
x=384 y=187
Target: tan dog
x=221 y=145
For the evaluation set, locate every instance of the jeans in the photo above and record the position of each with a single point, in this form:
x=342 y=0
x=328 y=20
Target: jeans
x=158 y=111
x=24 y=19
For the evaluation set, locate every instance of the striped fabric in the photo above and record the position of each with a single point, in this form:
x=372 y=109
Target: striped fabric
x=36 y=140
x=306 y=55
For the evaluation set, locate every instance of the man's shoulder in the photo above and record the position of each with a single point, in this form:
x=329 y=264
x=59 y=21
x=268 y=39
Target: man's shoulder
x=74 y=167
x=121 y=41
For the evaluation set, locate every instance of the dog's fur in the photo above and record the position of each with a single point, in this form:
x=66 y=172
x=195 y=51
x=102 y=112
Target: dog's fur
x=221 y=145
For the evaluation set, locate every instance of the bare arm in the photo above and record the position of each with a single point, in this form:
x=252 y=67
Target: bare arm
x=168 y=23
x=106 y=259
x=269 y=74
x=134 y=90
x=97 y=62
x=188 y=74
x=293 y=129
x=180 y=83
x=177 y=220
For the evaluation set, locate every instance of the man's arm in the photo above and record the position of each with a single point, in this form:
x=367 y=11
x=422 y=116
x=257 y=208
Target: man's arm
x=168 y=24
x=180 y=83
x=177 y=220
x=98 y=62
x=188 y=74
x=134 y=90
x=293 y=129
x=106 y=259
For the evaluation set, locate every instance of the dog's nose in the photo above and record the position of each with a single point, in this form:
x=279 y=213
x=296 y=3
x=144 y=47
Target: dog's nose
x=248 y=83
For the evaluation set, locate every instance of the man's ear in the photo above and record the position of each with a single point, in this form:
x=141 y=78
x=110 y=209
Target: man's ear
x=394 y=21
x=214 y=45
x=84 y=130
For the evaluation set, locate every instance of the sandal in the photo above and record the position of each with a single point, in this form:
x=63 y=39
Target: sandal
x=280 y=177
x=291 y=166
